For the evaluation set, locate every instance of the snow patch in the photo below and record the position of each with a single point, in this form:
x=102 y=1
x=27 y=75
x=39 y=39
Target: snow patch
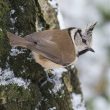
x=77 y=102
x=53 y=108
x=7 y=77
x=12 y=11
x=57 y=79
x=53 y=3
x=22 y=8
x=58 y=72
x=13 y=20
x=58 y=84
x=15 y=51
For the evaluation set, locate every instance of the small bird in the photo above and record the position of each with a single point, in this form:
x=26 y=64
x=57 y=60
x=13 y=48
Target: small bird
x=56 y=48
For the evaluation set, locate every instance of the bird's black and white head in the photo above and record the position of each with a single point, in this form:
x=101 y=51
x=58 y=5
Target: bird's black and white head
x=83 y=39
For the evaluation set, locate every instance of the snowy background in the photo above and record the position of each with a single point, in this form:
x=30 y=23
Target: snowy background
x=94 y=68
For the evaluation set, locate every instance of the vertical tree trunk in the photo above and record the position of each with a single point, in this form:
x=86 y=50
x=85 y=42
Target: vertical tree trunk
x=24 y=17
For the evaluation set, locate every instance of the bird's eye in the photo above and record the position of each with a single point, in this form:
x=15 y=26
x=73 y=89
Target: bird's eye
x=35 y=42
x=84 y=41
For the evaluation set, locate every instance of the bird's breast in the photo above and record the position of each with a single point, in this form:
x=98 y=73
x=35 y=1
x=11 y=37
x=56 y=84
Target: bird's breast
x=44 y=62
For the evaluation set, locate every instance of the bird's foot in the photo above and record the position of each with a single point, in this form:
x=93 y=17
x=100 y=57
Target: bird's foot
x=49 y=78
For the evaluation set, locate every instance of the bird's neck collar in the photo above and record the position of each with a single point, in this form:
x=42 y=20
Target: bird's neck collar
x=82 y=52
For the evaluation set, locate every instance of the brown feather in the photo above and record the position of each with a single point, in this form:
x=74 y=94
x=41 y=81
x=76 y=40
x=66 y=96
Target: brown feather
x=55 y=46
x=59 y=45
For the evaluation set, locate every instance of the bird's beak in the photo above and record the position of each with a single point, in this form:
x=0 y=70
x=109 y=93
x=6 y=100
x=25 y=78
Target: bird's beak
x=90 y=49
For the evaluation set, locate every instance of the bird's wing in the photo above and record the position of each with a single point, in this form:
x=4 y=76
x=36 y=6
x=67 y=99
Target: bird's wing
x=46 y=48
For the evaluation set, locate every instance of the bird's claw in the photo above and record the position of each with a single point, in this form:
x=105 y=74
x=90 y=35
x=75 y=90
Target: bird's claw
x=49 y=79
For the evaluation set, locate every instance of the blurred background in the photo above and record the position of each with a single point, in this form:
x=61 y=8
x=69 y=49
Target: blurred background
x=94 y=68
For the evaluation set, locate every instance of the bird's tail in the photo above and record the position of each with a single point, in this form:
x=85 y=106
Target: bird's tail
x=16 y=40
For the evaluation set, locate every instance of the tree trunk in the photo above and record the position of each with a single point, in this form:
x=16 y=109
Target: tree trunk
x=24 y=17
